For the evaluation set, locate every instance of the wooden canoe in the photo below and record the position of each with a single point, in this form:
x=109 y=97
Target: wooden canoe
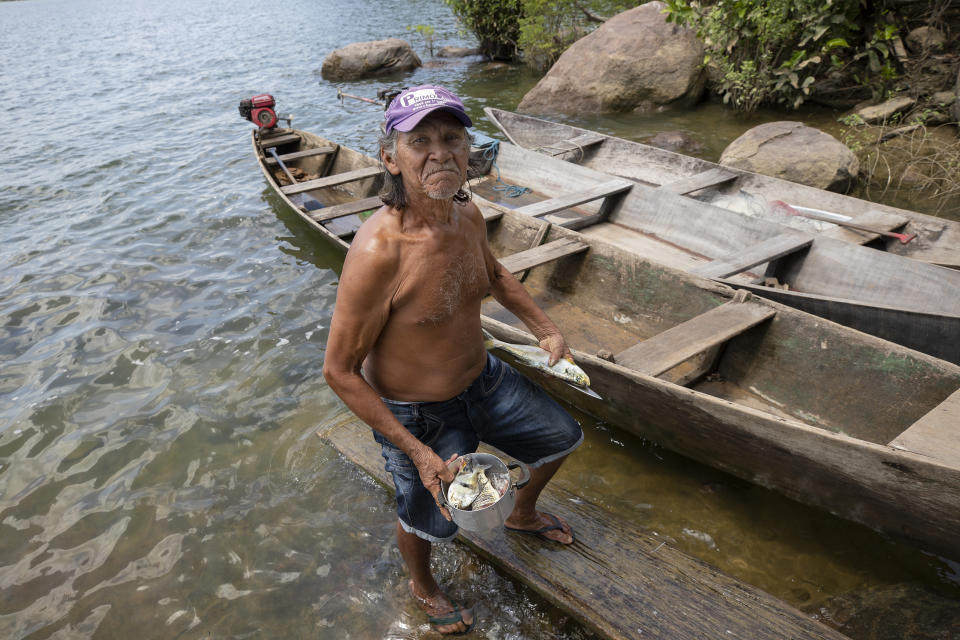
x=937 y=239
x=828 y=416
x=907 y=301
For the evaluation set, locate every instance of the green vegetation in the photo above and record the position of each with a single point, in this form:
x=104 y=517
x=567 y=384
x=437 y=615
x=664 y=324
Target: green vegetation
x=495 y=23
x=426 y=32
x=537 y=31
x=906 y=157
x=773 y=51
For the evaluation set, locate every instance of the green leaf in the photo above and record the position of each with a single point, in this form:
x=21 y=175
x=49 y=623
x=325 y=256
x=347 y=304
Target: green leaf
x=835 y=43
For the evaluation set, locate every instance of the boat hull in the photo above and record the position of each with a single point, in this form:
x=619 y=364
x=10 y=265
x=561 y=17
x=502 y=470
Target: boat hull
x=797 y=404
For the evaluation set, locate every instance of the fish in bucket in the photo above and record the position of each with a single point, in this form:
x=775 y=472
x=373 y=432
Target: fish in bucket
x=482 y=494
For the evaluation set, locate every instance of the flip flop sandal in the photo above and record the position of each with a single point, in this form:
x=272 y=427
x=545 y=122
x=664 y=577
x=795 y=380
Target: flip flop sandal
x=451 y=618
x=542 y=530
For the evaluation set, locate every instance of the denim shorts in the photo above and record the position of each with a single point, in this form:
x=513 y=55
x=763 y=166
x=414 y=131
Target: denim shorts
x=501 y=408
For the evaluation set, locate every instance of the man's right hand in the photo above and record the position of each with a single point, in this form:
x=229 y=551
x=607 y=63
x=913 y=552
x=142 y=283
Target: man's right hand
x=432 y=471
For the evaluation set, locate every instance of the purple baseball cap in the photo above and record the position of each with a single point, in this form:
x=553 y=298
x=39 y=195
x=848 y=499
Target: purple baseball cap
x=414 y=104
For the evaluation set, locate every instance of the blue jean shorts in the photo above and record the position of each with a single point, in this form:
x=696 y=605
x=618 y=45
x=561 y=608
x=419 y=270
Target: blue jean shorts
x=502 y=408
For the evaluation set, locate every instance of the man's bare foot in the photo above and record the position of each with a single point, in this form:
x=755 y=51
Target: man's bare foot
x=545 y=525
x=444 y=615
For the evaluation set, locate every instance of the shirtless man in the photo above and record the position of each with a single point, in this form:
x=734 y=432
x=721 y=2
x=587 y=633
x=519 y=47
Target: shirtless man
x=406 y=352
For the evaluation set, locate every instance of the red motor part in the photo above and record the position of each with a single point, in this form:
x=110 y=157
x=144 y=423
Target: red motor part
x=259 y=110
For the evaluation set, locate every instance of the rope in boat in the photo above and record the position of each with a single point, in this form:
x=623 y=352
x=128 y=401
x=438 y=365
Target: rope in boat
x=490 y=151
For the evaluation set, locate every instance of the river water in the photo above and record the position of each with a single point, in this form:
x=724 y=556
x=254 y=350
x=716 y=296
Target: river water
x=162 y=331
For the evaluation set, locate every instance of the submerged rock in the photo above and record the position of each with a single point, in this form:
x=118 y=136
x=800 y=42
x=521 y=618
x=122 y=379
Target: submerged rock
x=884 y=111
x=675 y=141
x=634 y=61
x=369 y=59
x=793 y=151
x=892 y=612
x=457 y=52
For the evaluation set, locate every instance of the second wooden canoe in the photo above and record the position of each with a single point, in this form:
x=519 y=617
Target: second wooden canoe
x=937 y=239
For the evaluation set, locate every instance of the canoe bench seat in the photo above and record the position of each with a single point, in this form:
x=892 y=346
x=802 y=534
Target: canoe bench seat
x=708 y=178
x=279 y=140
x=542 y=254
x=560 y=203
x=937 y=434
x=306 y=153
x=571 y=145
x=765 y=251
x=345 y=209
x=330 y=181
x=664 y=351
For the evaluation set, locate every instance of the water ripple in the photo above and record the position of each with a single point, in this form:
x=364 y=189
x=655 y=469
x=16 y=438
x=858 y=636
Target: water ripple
x=163 y=321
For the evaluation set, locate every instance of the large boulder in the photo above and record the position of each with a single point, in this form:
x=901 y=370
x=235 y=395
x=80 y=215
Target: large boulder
x=369 y=59
x=635 y=60
x=793 y=151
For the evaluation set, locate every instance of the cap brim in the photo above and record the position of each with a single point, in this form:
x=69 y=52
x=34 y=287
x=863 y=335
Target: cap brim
x=411 y=121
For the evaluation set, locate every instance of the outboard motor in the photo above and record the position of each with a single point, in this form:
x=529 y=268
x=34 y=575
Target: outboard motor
x=259 y=111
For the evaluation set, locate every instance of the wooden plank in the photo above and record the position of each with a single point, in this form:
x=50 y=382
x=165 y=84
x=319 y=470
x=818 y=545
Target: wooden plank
x=552 y=205
x=666 y=350
x=708 y=178
x=489 y=213
x=306 y=153
x=537 y=241
x=575 y=223
x=279 y=141
x=765 y=251
x=936 y=434
x=530 y=258
x=330 y=181
x=576 y=143
x=345 y=209
x=618 y=580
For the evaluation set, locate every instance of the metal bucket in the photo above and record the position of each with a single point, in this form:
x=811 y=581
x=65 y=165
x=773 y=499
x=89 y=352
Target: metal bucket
x=494 y=515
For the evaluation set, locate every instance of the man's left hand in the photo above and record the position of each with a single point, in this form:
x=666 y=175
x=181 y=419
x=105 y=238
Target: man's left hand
x=557 y=346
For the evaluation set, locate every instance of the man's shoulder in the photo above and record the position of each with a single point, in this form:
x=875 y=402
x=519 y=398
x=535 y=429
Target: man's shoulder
x=470 y=212
x=375 y=239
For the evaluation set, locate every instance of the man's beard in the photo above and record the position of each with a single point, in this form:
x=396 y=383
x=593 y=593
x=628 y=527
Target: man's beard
x=444 y=189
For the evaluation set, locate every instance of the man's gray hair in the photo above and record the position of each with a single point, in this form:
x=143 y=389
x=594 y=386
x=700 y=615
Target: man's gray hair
x=392 y=193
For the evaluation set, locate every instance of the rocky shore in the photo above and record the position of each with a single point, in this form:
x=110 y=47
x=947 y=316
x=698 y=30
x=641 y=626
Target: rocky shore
x=638 y=61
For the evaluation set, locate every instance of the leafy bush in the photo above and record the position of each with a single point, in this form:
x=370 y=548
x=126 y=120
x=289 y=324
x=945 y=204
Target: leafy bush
x=537 y=30
x=772 y=51
x=495 y=23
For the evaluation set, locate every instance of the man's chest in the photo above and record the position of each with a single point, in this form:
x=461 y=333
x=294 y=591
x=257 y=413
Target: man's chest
x=439 y=283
